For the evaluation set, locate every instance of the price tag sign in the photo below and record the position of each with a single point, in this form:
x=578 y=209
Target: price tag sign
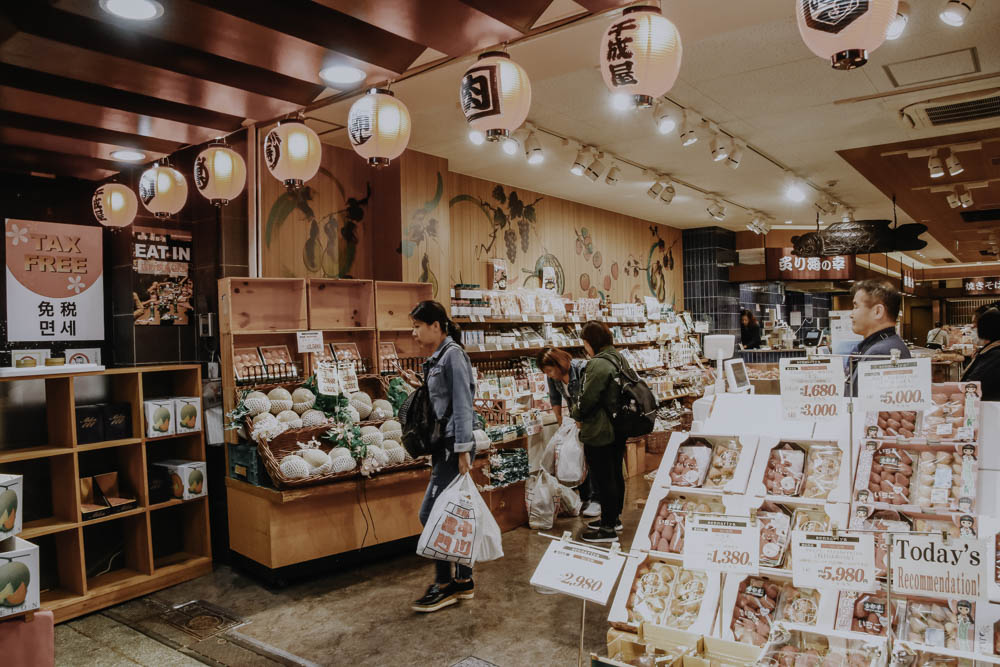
x=905 y=385
x=548 y=318
x=579 y=571
x=309 y=342
x=812 y=389
x=845 y=562
x=717 y=543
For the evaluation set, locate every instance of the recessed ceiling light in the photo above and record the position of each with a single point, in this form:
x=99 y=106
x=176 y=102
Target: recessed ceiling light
x=956 y=11
x=788 y=222
x=795 y=191
x=128 y=155
x=898 y=23
x=134 y=10
x=509 y=145
x=341 y=75
x=477 y=137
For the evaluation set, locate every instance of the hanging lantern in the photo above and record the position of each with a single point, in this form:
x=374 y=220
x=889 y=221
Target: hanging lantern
x=163 y=190
x=379 y=127
x=114 y=205
x=292 y=153
x=495 y=95
x=219 y=173
x=641 y=55
x=845 y=31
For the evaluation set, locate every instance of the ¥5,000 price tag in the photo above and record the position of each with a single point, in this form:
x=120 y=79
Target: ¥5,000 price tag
x=905 y=385
x=845 y=562
x=579 y=571
x=722 y=544
x=812 y=389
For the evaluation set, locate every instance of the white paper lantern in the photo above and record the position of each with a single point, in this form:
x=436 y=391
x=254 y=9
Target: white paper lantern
x=495 y=95
x=114 y=205
x=641 y=55
x=163 y=190
x=378 y=126
x=292 y=153
x=220 y=173
x=845 y=31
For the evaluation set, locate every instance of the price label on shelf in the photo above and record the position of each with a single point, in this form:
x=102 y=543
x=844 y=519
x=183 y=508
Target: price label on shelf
x=717 y=543
x=579 y=571
x=904 y=385
x=812 y=389
x=845 y=562
x=309 y=341
x=548 y=318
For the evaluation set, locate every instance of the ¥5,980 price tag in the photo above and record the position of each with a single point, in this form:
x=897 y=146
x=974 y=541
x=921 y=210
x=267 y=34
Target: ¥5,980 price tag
x=722 y=544
x=578 y=570
x=845 y=561
x=812 y=389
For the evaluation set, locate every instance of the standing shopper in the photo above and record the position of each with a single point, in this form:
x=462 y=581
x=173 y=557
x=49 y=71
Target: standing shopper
x=876 y=307
x=937 y=337
x=565 y=380
x=749 y=331
x=602 y=447
x=985 y=365
x=449 y=377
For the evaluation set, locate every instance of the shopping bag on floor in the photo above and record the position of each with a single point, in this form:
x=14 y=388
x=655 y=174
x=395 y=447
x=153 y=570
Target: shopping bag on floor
x=541 y=493
x=460 y=527
x=569 y=501
x=571 y=468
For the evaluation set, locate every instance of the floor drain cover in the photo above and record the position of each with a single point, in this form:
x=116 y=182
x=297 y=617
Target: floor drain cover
x=201 y=619
x=473 y=661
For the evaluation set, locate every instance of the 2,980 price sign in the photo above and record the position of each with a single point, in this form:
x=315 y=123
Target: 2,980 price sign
x=579 y=570
x=812 y=389
x=844 y=561
x=719 y=543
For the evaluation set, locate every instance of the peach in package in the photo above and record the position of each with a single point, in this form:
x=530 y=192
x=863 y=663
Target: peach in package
x=863 y=612
x=692 y=463
x=941 y=623
x=664 y=594
x=794 y=648
x=811 y=469
x=912 y=477
x=721 y=463
x=884 y=521
x=955 y=414
x=775 y=528
x=664 y=521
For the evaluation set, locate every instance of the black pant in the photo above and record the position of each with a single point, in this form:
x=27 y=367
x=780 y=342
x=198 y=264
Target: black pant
x=608 y=479
x=444 y=469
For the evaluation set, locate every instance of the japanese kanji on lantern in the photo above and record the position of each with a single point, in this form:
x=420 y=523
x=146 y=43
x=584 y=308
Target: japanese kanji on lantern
x=55 y=284
x=845 y=31
x=378 y=126
x=495 y=95
x=641 y=55
x=781 y=264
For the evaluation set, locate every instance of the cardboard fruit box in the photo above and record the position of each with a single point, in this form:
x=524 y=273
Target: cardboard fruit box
x=187 y=411
x=11 y=500
x=189 y=479
x=160 y=418
x=19 y=576
x=100 y=496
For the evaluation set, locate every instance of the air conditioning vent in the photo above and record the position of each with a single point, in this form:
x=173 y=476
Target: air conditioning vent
x=986 y=215
x=975 y=110
x=947 y=114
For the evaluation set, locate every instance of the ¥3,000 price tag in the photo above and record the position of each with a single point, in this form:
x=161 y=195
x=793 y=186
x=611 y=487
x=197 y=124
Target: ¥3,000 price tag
x=578 y=570
x=905 y=385
x=722 y=544
x=845 y=561
x=812 y=389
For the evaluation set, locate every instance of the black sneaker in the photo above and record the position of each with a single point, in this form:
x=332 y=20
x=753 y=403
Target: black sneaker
x=464 y=590
x=594 y=525
x=600 y=535
x=437 y=597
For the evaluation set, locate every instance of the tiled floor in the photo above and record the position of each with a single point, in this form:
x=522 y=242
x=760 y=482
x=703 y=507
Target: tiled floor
x=358 y=617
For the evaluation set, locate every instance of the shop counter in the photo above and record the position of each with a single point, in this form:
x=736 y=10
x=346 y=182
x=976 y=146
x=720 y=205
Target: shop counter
x=768 y=356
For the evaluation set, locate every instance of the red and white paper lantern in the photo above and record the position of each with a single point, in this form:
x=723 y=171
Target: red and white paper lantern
x=845 y=31
x=641 y=55
x=495 y=95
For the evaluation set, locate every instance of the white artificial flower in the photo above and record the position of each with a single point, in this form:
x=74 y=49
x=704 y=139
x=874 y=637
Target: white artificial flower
x=76 y=284
x=17 y=234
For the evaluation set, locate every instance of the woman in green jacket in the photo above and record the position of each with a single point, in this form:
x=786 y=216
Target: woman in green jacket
x=602 y=447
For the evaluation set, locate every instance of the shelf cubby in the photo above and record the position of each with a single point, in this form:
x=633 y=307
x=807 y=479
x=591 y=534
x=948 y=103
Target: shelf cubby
x=128 y=461
x=32 y=402
x=175 y=532
x=186 y=446
x=116 y=550
x=341 y=304
x=262 y=304
x=110 y=388
x=395 y=300
x=60 y=560
x=50 y=485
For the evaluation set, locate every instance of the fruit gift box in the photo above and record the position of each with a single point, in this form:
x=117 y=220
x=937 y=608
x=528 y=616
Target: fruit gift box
x=801 y=471
x=752 y=605
x=189 y=479
x=717 y=464
x=791 y=648
x=11 y=497
x=159 y=417
x=19 y=591
x=187 y=412
x=912 y=477
x=662 y=526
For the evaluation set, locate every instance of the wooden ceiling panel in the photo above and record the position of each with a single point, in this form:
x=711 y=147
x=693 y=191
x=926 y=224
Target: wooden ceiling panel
x=12 y=136
x=518 y=14
x=86 y=132
x=601 y=5
x=21 y=158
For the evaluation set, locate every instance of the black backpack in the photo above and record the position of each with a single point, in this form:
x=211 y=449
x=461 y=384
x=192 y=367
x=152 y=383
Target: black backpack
x=635 y=413
x=423 y=432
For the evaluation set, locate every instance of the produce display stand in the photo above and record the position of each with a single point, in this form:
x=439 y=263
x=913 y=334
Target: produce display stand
x=69 y=547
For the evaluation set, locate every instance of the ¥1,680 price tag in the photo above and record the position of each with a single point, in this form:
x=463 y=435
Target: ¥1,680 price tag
x=845 y=561
x=722 y=544
x=904 y=385
x=812 y=389
x=578 y=570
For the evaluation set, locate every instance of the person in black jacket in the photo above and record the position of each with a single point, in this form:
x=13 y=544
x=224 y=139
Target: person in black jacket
x=985 y=365
x=749 y=331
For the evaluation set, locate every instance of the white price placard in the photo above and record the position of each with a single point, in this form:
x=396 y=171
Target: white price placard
x=309 y=342
x=812 y=389
x=716 y=543
x=903 y=385
x=844 y=561
x=579 y=571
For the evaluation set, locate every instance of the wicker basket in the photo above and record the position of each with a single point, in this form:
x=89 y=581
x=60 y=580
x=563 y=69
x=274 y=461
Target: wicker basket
x=656 y=442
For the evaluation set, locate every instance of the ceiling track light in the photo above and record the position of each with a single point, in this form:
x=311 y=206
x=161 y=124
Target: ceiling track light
x=848 y=215
x=735 y=155
x=655 y=189
x=953 y=201
x=965 y=199
x=898 y=23
x=668 y=193
x=614 y=175
x=579 y=164
x=595 y=168
x=509 y=145
x=689 y=130
x=477 y=138
x=956 y=11
x=716 y=210
x=533 y=152
x=718 y=147
x=953 y=165
x=664 y=119
x=935 y=166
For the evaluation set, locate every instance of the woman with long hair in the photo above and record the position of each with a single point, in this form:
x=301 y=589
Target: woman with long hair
x=749 y=330
x=449 y=378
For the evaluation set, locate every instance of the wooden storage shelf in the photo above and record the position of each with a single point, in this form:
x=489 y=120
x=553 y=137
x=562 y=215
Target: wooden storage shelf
x=395 y=300
x=42 y=451
x=113 y=517
x=108 y=444
x=175 y=501
x=262 y=304
x=341 y=304
x=49 y=526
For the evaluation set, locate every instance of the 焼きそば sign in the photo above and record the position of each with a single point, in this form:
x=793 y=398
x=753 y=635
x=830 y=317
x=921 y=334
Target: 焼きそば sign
x=55 y=281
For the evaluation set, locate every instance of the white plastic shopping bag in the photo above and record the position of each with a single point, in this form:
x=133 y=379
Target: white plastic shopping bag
x=571 y=468
x=460 y=529
x=569 y=501
x=541 y=493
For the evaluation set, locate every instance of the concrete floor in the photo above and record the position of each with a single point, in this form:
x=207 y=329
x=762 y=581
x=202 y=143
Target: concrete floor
x=359 y=617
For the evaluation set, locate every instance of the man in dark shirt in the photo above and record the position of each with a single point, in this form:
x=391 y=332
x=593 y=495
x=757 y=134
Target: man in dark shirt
x=876 y=307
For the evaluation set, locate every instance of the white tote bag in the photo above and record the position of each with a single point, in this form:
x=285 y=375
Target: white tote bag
x=460 y=529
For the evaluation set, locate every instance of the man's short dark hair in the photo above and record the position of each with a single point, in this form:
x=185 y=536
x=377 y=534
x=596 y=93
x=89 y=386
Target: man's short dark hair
x=937 y=325
x=880 y=291
x=988 y=325
x=597 y=334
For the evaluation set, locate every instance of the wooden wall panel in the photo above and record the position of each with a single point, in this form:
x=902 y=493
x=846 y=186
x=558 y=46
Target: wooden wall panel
x=426 y=228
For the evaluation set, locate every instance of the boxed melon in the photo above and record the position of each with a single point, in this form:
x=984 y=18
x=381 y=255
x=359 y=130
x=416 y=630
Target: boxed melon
x=19 y=576
x=189 y=478
x=159 y=417
x=188 y=412
x=11 y=493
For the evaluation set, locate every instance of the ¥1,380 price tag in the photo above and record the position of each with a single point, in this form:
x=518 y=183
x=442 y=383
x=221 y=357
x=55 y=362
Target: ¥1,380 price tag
x=905 y=385
x=722 y=544
x=845 y=561
x=579 y=571
x=812 y=389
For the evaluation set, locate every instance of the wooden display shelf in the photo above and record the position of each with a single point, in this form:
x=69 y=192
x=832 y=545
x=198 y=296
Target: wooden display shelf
x=65 y=533
x=174 y=502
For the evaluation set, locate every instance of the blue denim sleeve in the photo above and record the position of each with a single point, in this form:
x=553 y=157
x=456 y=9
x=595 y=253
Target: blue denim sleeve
x=460 y=375
x=555 y=396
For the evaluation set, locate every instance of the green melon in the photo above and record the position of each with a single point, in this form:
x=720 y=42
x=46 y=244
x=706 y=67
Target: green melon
x=189 y=416
x=196 y=481
x=8 y=510
x=161 y=420
x=14 y=580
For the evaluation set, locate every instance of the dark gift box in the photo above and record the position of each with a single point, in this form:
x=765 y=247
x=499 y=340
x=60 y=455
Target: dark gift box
x=117 y=421
x=160 y=484
x=89 y=424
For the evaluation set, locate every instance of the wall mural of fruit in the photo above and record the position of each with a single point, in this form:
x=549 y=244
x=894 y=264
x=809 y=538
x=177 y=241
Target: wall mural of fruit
x=196 y=482
x=534 y=278
x=189 y=416
x=14 y=580
x=421 y=230
x=8 y=510
x=510 y=215
x=161 y=420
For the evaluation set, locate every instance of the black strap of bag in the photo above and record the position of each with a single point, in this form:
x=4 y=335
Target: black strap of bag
x=423 y=430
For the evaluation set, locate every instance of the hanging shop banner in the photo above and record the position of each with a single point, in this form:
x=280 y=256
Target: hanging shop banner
x=909 y=280
x=164 y=291
x=781 y=264
x=929 y=565
x=981 y=286
x=812 y=389
x=579 y=570
x=823 y=560
x=55 y=281
x=717 y=543
x=901 y=385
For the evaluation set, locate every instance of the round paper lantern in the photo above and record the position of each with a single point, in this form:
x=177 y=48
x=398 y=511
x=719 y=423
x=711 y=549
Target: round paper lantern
x=641 y=55
x=114 y=205
x=495 y=95
x=845 y=31
x=219 y=173
x=163 y=190
x=292 y=153
x=379 y=127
